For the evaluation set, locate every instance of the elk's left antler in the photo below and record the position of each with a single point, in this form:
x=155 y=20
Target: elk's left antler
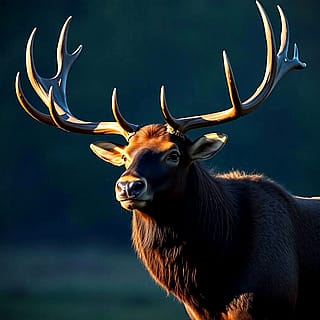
x=52 y=92
x=277 y=65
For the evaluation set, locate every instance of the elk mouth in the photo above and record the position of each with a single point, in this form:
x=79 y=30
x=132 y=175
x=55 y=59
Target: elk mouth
x=131 y=204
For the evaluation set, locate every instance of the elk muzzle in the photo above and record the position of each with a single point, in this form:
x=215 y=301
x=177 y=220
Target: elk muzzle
x=132 y=192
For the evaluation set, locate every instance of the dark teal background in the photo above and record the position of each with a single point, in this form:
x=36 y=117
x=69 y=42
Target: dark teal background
x=56 y=194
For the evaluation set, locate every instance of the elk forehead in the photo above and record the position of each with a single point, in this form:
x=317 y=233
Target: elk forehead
x=153 y=137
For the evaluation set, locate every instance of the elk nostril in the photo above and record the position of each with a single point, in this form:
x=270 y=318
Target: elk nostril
x=121 y=187
x=135 y=188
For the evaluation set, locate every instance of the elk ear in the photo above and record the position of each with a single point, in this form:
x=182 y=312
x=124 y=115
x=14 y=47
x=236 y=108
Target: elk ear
x=206 y=146
x=109 y=152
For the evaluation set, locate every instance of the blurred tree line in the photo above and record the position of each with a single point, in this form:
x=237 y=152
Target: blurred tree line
x=53 y=189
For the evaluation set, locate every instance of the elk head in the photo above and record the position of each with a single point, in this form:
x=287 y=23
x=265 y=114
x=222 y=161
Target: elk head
x=156 y=157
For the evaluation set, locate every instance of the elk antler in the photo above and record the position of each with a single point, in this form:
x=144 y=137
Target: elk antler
x=52 y=92
x=277 y=65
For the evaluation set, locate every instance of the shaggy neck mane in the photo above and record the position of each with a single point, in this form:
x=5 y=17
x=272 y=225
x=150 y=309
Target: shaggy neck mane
x=201 y=215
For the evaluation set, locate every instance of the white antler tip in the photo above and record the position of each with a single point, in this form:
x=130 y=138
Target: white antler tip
x=224 y=54
x=162 y=91
x=114 y=95
x=31 y=37
x=226 y=61
x=258 y=4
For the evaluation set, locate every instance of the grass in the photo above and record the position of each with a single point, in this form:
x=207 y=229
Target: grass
x=94 y=283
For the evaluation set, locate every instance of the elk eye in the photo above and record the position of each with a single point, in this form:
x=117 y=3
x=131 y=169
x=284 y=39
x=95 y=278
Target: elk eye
x=124 y=157
x=173 y=157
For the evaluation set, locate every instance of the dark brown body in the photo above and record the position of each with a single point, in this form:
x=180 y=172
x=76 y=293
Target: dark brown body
x=228 y=236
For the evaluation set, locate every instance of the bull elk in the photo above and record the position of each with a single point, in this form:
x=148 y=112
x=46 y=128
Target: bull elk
x=227 y=246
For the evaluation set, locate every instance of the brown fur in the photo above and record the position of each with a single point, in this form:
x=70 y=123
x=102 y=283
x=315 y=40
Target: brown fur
x=238 y=308
x=228 y=246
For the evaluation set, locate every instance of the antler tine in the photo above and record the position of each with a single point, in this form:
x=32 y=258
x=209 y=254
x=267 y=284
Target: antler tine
x=127 y=126
x=280 y=63
x=81 y=126
x=235 y=110
x=171 y=121
x=27 y=106
x=287 y=64
x=52 y=92
x=187 y=123
x=65 y=61
x=31 y=70
x=265 y=87
x=277 y=65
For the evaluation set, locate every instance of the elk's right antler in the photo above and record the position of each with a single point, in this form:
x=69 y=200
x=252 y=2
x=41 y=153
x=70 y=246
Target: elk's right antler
x=52 y=92
x=278 y=64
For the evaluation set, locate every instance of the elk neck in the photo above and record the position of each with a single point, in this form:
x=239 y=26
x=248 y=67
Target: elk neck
x=202 y=213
